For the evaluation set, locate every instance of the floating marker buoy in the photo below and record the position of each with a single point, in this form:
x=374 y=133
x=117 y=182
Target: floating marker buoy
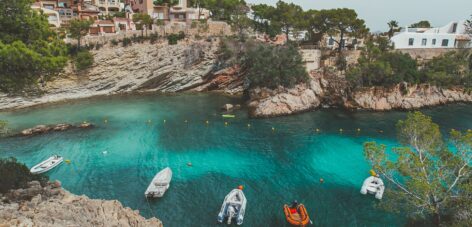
x=240 y=187
x=186 y=121
x=189 y=164
x=226 y=123
x=273 y=129
x=106 y=121
x=358 y=129
x=248 y=125
x=317 y=130
x=164 y=121
x=149 y=121
x=104 y=152
x=340 y=130
x=381 y=131
x=372 y=173
x=321 y=180
x=67 y=161
x=207 y=122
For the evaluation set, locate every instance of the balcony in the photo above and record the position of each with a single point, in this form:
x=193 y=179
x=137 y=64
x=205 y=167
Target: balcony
x=108 y=3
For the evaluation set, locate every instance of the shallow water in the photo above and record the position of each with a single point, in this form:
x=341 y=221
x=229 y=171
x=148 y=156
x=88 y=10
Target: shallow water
x=275 y=166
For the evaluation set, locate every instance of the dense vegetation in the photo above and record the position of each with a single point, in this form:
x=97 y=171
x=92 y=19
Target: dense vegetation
x=83 y=60
x=29 y=51
x=379 y=65
x=16 y=175
x=262 y=64
x=428 y=178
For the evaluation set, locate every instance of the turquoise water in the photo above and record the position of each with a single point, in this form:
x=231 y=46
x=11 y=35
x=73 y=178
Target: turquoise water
x=275 y=166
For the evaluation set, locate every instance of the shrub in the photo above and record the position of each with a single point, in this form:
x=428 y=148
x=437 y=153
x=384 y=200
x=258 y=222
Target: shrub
x=114 y=42
x=449 y=69
x=126 y=42
x=173 y=38
x=272 y=66
x=16 y=175
x=83 y=60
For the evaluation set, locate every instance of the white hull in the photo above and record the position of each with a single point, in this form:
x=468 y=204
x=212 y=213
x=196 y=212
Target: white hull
x=234 y=207
x=159 y=184
x=47 y=164
x=373 y=185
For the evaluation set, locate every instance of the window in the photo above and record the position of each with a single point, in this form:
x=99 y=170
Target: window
x=411 y=41
x=424 y=42
x=445 y=42
x=433 y=42
x=331 y=42
x=454 y=28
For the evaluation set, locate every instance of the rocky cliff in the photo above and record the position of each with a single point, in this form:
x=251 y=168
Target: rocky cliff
x=333 y=91
x=53 y=206
x=137 y=68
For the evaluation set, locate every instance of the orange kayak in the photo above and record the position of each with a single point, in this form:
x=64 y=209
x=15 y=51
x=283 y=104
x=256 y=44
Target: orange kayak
x=298 y=216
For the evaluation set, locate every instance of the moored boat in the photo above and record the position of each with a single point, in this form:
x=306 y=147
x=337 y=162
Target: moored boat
x=159 y=184
x=373 y=185
x=47 y=164
x=234 y=207
x=296 y=214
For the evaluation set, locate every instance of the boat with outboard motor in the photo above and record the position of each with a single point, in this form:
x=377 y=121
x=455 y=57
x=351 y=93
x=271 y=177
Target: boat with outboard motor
x=234 y=207
x=159 y=184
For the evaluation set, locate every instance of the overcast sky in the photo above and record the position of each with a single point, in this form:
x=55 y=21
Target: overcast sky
x=377 y=13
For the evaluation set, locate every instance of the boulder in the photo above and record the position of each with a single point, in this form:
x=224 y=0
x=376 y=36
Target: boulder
x=227 y=107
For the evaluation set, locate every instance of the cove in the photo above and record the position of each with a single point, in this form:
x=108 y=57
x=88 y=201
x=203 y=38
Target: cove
x=275 y=165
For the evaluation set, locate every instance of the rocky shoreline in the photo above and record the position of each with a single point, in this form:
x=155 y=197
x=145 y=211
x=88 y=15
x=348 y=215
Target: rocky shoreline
x=192 y=65
x=322 y=91
x=51 y=205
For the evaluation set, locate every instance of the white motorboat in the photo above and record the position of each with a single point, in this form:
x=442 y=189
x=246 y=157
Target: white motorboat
x=373 y=185
x=234 y=207
x=47 y=164
x=159 y=184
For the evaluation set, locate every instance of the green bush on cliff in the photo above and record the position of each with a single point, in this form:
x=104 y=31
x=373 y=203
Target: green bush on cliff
x=272 y=66
x=452 y=68
x=30 y=51
x=83 y=60
x=16 y=175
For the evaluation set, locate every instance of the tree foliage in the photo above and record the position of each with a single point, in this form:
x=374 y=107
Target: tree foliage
x=272 y=66
x=421 y=24
x=452 y=68
x=426 y=177
x=29 y=50
x=468 y=26
x=83 y=60
x=392 y=28
x=344 y=22
x=78 y=29
x=16 y=175
x=222 y=9
x=378 y=66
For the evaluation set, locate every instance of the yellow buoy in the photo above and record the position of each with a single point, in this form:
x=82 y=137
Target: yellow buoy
x=248 y=125
x=340 y=130
x=186 y=121
x=106 y=121
x=273 y=129
x=149 y=121
x=226 y=123
x=381 y=131
x=317 y=130
x=67 y=161
x=164 y=121
x=207 y=122
x=373 y=173
x=358 y=129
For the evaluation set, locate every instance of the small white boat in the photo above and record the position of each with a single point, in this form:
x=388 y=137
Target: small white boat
x=234 y=206
x=373 y=185
x=47 y=164
x=159 y=184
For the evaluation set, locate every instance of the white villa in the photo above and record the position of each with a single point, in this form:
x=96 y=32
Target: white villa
x=452 y=35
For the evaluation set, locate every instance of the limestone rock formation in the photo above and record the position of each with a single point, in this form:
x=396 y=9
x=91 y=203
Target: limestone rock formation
x=40 y=129
x=53 y=206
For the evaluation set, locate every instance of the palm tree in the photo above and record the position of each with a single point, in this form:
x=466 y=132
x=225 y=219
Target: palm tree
x=393 y=24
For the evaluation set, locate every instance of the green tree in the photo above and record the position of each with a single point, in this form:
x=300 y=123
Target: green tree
x=392 y=27
x=452 y=68
x=222 y=9
x=83 y=60
x=272 y=66
x=16 y=175
x=143 y=21
x=421 y=24
x=78 y=29
x=287 y=16
x=239 y=20
x=426 y=176
x=262 y=15
x=344 y=22
x=316 y=24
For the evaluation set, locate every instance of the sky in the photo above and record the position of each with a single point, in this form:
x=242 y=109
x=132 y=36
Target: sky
x=377 y=13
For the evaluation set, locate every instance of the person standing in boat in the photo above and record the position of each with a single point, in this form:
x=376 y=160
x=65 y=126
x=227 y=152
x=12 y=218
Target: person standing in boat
x=293 y=207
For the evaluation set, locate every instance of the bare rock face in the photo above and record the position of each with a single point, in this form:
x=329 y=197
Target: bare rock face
x=136 y=68
x=40 y=129
x=282 y=101
x=405 y=97
x=53 y=206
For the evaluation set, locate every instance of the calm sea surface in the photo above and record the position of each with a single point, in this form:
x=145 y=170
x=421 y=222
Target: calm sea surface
x=277 y=160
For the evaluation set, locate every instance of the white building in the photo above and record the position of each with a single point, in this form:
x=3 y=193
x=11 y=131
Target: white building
x=450 y=36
